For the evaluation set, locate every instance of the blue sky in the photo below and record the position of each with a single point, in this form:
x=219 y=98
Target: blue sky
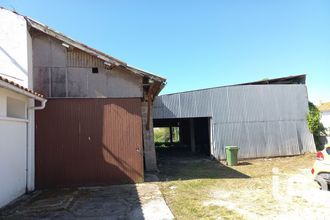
x=198 y=44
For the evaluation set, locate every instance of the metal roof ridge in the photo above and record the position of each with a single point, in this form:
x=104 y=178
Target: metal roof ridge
x=240 y=84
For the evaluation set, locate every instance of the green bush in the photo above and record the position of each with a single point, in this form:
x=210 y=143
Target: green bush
x=314 y=124
x=161 y=135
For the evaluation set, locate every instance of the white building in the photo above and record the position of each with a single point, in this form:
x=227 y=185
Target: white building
x=325 y=117
x=17 y=107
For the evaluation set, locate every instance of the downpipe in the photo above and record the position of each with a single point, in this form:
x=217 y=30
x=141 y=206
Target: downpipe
x=29 y=143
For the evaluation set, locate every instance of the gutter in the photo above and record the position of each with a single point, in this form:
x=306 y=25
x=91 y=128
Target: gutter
x=25 y=93
x=20 y=91
x=42 y=106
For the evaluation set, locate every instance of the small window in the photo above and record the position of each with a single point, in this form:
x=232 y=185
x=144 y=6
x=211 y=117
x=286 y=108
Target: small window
x=16 y=108
x=95 y=70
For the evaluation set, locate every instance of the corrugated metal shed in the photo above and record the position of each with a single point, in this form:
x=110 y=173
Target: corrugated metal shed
x=263 y=120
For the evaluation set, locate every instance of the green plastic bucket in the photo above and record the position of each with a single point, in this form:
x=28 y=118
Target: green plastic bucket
x=231 y=154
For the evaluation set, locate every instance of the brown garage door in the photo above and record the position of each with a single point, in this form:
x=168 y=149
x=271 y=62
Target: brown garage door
x=81 y=142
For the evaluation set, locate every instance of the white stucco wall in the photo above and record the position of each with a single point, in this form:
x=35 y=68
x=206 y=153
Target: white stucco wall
x=12 y=160
x=16 y=61
x=31 y=118
x=15 y=46
x=326 y=119
x=13 y=148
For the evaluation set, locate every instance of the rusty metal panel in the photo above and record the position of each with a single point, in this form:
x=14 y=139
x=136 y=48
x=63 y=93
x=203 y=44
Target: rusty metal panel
x=84 y=142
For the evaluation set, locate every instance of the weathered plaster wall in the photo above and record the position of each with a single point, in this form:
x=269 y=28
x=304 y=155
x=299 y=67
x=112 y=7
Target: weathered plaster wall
x=67 y=72
x=14 y=48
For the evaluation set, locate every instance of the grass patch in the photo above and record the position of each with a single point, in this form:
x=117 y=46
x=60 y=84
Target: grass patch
x=239 y=192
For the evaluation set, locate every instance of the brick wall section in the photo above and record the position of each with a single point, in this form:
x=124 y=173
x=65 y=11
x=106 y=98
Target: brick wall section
x=148 y=140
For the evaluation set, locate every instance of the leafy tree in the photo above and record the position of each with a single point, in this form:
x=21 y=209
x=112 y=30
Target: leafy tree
x=314 y=124
x=161 y=135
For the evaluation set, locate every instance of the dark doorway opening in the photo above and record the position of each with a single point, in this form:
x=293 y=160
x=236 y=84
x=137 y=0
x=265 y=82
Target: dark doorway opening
x=182 y=136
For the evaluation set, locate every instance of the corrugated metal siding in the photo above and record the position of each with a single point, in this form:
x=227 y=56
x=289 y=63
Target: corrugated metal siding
x=263 y=120
x=85 y=142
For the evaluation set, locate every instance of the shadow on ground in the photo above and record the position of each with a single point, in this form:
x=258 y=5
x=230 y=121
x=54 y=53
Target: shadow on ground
x=244 y=163
x=183 y=165
x=114 y=202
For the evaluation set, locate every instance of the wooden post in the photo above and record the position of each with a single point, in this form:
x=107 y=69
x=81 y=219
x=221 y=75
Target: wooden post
x=192 y=136
x=171 y=135
x=150 y=98
x=148 y=113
